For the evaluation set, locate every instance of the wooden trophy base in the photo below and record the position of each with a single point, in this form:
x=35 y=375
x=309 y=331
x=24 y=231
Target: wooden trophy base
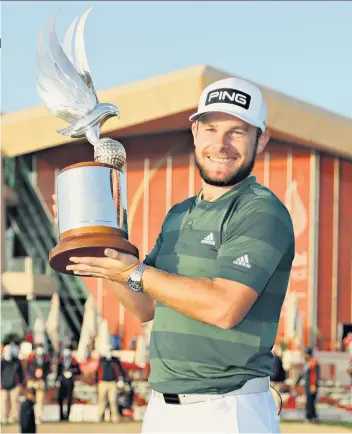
x=86 y=243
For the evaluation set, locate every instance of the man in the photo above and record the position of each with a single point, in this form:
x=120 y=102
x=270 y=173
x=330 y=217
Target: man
x=38 y=369
x=215 y=280
x=67 y=371
x=109 y=372
x=311 y=375
x=125 y=400
x=27 y=416
x=349 y=372
x=347 y=342
x=12 y=378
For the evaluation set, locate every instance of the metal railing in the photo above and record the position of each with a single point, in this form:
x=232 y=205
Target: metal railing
x=26 y=264
x=32 y=222
x=9 y=172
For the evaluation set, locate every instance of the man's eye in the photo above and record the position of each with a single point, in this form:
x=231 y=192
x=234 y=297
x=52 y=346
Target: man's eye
x=210 y=129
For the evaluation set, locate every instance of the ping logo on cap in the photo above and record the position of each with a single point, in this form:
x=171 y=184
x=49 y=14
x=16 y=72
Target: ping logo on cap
x=229 y=96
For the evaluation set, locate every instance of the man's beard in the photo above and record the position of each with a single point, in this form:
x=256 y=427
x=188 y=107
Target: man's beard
x=242 y=173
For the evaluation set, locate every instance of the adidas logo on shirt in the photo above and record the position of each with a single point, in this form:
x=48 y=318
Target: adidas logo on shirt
x=243 y=261
x=209 y=239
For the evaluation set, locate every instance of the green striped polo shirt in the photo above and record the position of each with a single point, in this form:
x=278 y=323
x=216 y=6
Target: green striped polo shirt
x=246 y=236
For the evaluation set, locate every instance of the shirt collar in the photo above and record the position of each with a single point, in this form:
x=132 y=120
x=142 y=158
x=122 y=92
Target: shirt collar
x=238 y=187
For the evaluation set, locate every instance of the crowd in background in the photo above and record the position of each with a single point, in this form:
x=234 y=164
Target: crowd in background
x=24 y=385
x=25 y=382
x=309 y=376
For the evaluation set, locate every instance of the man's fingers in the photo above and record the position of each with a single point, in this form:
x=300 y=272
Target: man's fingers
x=111 y=253
x=81 y=273
x=104 y=263
x=83 y=268
x=86 y=260
x=54 y=208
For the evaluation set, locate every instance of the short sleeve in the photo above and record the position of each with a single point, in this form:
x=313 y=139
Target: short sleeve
x=150 y=259
x=258 y=238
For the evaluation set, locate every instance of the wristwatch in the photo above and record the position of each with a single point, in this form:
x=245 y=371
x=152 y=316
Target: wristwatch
x=134 y=280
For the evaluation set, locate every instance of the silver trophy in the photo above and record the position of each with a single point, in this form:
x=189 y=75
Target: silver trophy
x=91 y=196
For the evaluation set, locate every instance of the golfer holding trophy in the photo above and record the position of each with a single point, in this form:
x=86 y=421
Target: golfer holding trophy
x=215 y=316
x=91 y=196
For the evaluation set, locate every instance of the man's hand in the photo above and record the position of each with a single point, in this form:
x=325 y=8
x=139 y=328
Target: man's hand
x=54 y=208
x=116 y=266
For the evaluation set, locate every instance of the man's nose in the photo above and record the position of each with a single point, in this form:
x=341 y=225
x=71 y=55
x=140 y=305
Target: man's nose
x=223 y=143
x=223 y=140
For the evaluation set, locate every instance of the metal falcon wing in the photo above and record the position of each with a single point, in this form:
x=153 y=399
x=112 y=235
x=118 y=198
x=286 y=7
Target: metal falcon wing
x=61 y=86
x=65 y=84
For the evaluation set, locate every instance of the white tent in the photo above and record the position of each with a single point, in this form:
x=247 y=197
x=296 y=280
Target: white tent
x=88 y=331
x=53 y=322
x=39 y=331
x=103 y=341
x=142 y=350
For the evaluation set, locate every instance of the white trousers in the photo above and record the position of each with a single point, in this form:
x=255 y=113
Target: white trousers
x=244 y=413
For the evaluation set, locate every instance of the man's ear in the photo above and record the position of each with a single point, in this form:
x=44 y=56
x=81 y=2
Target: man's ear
x=194 y=129
x=262 y=142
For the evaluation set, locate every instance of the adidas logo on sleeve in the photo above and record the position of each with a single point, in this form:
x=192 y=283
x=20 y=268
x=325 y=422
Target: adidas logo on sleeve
x=209 y=239
x=243 y=261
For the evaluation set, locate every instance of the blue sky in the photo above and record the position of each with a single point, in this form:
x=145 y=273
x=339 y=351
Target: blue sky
x=303 y=49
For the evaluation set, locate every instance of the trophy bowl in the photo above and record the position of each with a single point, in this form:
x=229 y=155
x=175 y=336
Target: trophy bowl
x=91 y=196
x=92 y=213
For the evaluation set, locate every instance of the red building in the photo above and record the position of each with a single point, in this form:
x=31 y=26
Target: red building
x=307 y=163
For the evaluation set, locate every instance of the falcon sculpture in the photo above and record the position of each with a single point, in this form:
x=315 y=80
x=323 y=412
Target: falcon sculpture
x=65 y=85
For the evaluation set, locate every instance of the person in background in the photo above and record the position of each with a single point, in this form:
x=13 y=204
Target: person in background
x=67 y=372
x=38 y=369
x=349 y=371
x=12 y=378
x=133 y=344
x=117 y=342
x=27 y=416
x=347 y=343
x=311 y=375
x=278 y=376
x=110 y=372
x=125 y=400
x=29 y=336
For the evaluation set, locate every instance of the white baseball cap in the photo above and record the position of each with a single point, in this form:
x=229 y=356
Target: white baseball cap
x=236 y=97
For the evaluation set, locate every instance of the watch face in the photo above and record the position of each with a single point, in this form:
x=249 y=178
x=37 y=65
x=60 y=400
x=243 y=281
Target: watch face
x=135 y=286
x=135 y=279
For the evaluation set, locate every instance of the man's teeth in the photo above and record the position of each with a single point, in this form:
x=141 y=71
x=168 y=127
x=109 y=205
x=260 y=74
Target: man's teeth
x=222 y=160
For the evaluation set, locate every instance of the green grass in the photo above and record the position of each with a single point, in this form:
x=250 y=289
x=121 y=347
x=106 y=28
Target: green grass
x=339 y=423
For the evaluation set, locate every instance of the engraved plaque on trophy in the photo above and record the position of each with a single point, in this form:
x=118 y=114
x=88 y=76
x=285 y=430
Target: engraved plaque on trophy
x=91 y=196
